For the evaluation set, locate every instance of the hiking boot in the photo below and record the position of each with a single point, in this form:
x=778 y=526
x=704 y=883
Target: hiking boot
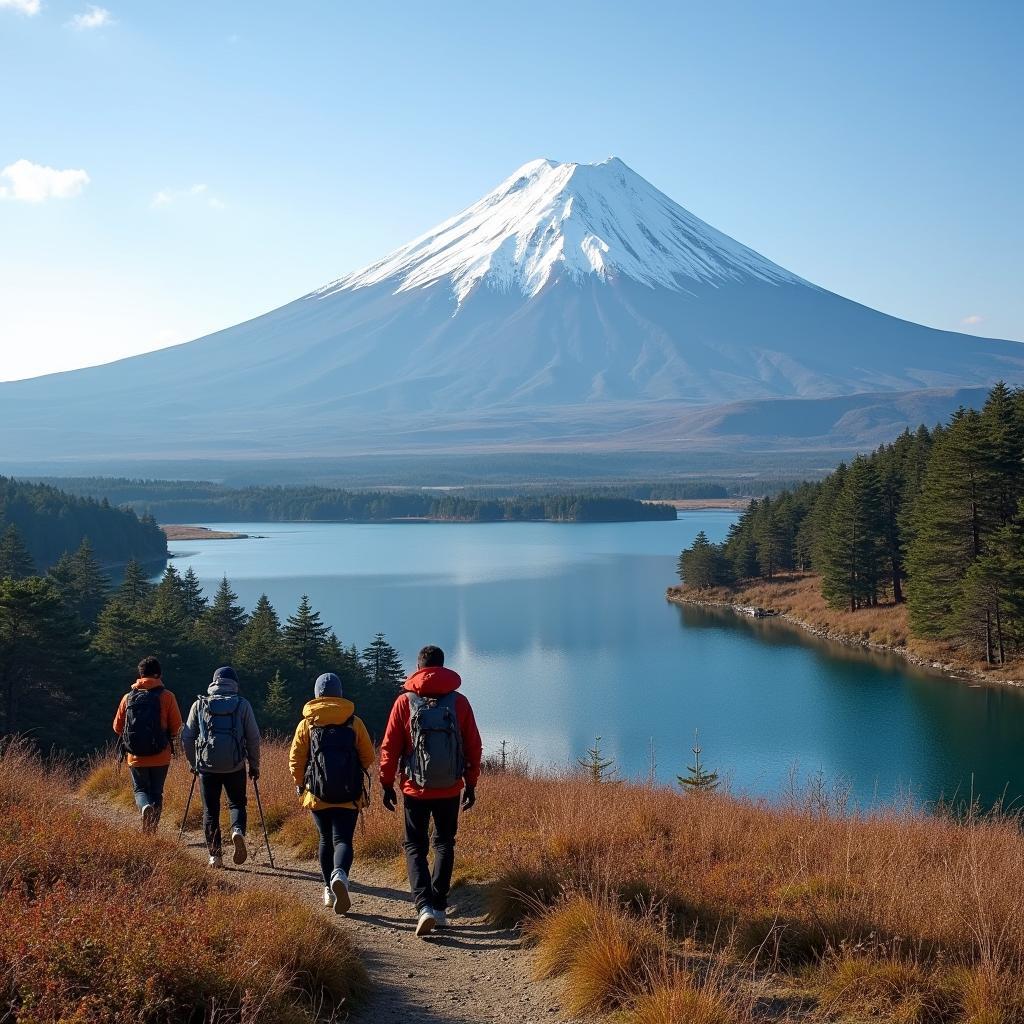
x=425 y=923
x=149 y=818
x=339 y=888
x=216 y=860
x=440 y=918
x=328 y=896
x=241 y=854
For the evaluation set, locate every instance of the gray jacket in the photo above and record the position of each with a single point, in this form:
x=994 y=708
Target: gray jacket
x=250 y=730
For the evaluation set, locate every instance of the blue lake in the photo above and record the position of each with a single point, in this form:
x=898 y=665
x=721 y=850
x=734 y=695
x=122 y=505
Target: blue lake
x=561 y=632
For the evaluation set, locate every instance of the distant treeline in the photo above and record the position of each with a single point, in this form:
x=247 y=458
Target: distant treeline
x=936 y=518
x=50 y=522
x=183 y=501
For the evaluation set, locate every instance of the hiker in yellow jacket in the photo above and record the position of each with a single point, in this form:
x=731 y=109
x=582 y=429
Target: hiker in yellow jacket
x=330 y=759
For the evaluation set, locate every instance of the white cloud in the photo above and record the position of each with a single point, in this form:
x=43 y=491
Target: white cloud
x=28 y=7
x=34 y=183
x=91 y=17
x=194 y=193
x=973 y=320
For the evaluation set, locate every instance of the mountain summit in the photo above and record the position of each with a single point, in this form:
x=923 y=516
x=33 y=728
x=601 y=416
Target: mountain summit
x=573 y=307
x=550 y=221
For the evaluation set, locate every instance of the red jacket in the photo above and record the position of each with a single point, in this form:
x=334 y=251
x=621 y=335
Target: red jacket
x=429 y=682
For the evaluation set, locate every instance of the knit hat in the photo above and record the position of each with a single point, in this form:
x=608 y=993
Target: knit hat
x=327 y=685
x=225 y=672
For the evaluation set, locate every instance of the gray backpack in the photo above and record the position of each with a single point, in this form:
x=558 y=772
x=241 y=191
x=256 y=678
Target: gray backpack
x=436 y=761
x=220 y=746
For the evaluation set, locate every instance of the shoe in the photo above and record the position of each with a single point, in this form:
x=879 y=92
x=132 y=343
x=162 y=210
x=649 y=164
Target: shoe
x=426 y=923
x=241 y=854
x=149 y=818
x=216 y=860
x=328 y=896
x=339 y=887
x=440 y=918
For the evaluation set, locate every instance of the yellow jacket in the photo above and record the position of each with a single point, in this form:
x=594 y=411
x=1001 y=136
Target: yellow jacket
x=326 y=711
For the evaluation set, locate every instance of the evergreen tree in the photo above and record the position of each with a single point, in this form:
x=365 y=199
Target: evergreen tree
x=596 y=766
x=222 y=622
x=854 y=551
x=703 y=565
x=121 y=634
x=383 y=665
x=770 y=540
x=195 y=603
x=91 y=585
x=278 y=712
x=1002 y=442
x=697 y=778
x=15 y=561
x=303 y=637
x=135 y=589
x=43 y=661
x=258 y=650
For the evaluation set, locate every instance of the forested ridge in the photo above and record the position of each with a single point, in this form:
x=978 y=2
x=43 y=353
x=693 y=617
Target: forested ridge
x=70 y=641
x=183 y=501
x=935 y=519
x=49 y=522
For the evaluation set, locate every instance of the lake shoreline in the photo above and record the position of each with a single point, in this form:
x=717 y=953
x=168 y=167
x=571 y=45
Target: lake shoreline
x=742 y=603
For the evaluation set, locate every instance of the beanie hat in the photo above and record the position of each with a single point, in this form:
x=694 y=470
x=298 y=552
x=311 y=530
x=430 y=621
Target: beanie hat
x=225 y=672
x=327 y=685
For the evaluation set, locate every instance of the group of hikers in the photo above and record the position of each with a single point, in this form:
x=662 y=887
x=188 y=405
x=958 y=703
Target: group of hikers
x=431 y=746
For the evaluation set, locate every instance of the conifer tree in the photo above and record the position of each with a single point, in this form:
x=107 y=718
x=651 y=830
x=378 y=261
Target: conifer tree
x=90 y=583
x=121 y=634
x=702 y=565
x=596 y=766
x=195 y=602
x=383 y=664
x=697 y=778
x=854 y=554
x=258 y=650
x=278 y=712
x=15 y=561
x=135 y=588
x=222 y=622
x=303 y=637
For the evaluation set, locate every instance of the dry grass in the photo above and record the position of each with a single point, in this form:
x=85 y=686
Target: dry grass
x=894 y=914
x=104 y=924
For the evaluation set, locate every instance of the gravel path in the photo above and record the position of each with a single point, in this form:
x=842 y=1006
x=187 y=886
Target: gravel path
x=471 y=973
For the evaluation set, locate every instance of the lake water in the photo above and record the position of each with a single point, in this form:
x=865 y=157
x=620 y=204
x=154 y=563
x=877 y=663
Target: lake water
x=561 y=632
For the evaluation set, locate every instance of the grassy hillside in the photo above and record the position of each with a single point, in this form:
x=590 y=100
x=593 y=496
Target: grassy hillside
x=710 y=909
x=103 y=925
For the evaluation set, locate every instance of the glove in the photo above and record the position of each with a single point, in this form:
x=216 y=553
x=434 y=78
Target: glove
x=254 y=774
x=468 y=797
x=389 y=796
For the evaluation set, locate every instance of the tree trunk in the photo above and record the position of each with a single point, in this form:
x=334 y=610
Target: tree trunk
x=999 y=635
x=988 y=636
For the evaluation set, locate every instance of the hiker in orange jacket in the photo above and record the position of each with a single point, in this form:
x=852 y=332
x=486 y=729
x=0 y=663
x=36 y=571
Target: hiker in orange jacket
x=147 y=720
x=330 y=755
x=432 y=740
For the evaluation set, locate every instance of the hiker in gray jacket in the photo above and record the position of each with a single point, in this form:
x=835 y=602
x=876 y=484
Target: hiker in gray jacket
x=219 y=737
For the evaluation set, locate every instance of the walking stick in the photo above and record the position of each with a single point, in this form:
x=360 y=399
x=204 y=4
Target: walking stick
x=188 y=804
x=263 y=821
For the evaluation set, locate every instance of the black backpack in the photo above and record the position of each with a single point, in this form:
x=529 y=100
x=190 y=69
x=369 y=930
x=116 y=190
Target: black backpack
x=144 y=734
x=333 y=771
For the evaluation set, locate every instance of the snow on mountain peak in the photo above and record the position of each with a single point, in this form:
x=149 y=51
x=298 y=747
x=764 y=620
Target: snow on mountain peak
x=549 y=220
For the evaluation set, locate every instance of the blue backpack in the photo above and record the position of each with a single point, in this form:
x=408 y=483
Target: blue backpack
x=220 y=746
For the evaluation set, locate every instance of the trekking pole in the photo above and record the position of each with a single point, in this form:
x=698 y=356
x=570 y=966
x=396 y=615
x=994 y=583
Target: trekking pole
x=263 y=821
x=188 y=804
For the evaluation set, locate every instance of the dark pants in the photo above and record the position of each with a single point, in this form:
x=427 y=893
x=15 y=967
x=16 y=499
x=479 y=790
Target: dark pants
x=337 y=826
x=148 y=784
x=233 y=783
x=430 y=889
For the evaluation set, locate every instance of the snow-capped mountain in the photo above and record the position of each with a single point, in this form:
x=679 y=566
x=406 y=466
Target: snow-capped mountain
x=575 y=306
x=551 y=220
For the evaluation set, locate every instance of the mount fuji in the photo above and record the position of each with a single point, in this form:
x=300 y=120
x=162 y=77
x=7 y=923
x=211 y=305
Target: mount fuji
x=574 y=307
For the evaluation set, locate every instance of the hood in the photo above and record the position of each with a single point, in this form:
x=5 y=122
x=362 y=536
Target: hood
x=222 y=688
x=328 y=710
x=147 y=683
x=433 y=682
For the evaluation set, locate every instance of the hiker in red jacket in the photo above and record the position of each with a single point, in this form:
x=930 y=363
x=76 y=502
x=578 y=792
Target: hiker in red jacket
x=432 y=739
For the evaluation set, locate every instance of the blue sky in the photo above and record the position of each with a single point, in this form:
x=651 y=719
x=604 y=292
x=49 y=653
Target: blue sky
x=236 y=155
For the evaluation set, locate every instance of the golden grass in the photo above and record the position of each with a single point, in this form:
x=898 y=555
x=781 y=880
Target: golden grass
x=104 y=924
x=678 y=1000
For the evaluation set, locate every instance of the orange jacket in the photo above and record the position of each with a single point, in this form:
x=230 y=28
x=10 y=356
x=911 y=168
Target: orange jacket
x=429 y=682
x=170 y=719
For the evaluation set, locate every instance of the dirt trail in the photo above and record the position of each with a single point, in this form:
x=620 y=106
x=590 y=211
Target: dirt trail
x=471 y=973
